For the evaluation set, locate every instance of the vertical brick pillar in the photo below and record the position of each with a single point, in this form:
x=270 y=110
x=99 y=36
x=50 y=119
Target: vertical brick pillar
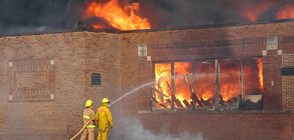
x=288 y=83
x=144 y=76
x=272 y=98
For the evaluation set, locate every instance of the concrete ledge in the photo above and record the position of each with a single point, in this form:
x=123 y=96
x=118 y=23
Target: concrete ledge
x=165 y=111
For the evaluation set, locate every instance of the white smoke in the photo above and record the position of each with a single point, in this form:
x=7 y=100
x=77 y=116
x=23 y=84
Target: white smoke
x=132 y=129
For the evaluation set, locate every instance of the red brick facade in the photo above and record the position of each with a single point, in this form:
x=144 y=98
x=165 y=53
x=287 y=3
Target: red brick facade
x=288 y=83
x=45 y=80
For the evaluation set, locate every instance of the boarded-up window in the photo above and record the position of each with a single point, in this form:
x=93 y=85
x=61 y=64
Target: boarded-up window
x=31 y=80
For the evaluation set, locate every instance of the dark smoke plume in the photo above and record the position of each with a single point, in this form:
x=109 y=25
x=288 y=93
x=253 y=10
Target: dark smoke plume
x=19 y=16
x=176 y=13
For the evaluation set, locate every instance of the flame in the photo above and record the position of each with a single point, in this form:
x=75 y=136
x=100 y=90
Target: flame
x=286 y=12
x=182 y=91
x=253 y=13
x=162 y=76
x=205 y=80
x=122 y=18
x=230 y=79
x=252 y=75
x=260 y=74
x=205 y=74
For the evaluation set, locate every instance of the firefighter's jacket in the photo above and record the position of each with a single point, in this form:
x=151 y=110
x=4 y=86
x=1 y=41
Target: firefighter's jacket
x=89 y=114
x=104 y=118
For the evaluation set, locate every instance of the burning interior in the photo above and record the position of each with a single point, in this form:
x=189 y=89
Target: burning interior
x=135 y=15
x=209 y=84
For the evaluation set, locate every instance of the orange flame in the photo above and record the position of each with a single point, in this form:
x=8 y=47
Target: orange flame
x=162 y=76
x=205 y=74
x=230 y=77
x=260 y=73
x=254 y=13
x=182 y=91
x=286 y=12
x=205 y=83
x=122 y=18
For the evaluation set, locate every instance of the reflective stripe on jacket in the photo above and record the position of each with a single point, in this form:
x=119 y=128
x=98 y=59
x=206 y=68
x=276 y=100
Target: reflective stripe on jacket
x=104 y=118
x=89 y=114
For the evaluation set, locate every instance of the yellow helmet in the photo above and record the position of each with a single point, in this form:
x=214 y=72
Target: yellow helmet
x=89 y=103
x=105 y=100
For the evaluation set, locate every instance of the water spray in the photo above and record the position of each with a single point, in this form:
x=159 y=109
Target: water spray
x=132 y=91
x=150 y=83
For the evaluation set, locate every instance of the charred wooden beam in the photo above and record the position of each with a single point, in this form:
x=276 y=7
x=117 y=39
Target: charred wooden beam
x=162 y=105
x=186 y=103
x=179 y=104
x=157 y=103
x=170 y=88
x=192 y=95
x=195 y=98
x=206 y=103
x=159 y=92
x=154 y=100
x=177 y=101
x=168 y=100
x=221 y=102
x=188 y=83
x=159 y=89
x=158 y=83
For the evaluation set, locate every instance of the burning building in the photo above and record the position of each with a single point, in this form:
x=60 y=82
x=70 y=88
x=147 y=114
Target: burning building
x=231 y=81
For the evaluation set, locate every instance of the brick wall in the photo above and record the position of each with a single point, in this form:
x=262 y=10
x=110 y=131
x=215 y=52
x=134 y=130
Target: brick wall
x=78 y=54
x=288 y=83
x=206 y=43
x=272 y=81
x=226 y=126
x=75 y=55
x=209 y=43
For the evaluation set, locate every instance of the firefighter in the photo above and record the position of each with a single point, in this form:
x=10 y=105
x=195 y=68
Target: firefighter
x=104 y=120
x=88 y=115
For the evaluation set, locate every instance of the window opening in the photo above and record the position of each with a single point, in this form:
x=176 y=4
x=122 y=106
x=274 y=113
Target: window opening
x=211 y=84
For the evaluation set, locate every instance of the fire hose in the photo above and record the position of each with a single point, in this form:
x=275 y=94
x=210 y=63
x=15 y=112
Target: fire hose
x=81 y=130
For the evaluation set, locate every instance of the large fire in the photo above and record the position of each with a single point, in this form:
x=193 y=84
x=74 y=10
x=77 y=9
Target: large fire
x=112 y=14
x=286 y=12
x=117 y=16
x=253 y=14
x=260 y=74
x=187 y=83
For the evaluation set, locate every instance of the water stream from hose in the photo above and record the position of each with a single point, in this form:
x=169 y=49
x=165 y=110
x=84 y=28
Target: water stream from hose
x=132 y=91
x=152 y=82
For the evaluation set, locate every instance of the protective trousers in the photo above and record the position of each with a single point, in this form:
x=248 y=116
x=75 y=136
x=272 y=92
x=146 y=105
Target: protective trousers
x=102 y=135
x=90 y=132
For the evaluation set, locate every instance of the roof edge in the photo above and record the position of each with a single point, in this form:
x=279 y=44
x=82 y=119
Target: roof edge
x=149 y=30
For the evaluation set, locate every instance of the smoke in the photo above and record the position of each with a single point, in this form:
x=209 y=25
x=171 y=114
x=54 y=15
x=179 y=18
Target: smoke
x=164 y=13
x=53 y=15
x=20 y=16
x=132 y=129
x=175 y=13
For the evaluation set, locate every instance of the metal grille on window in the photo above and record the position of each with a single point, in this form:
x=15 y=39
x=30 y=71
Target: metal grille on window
x=287 y=71
x=96 y=79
